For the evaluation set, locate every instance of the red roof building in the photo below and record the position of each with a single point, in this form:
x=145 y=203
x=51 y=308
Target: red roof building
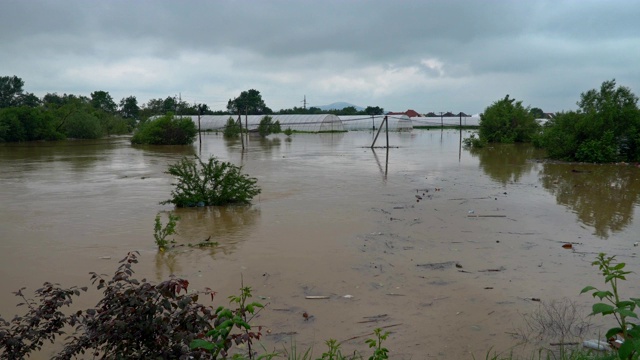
x=410 y=113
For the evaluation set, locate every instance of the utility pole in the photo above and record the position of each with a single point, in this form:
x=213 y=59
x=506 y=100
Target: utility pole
x=304 y=102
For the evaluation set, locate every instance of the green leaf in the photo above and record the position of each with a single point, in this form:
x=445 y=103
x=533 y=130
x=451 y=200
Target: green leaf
x=201 y=344
x=627 y=348
x=619 y=266
x=602 y=294
x=626 y=312
x=602 y=308
x=613 y=332
x=588 y=288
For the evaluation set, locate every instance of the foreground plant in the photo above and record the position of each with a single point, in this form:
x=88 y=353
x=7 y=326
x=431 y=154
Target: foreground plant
x=134 y=320
x=220 y=339
x=160 y=232
x=210 y=183
x=43 y=321
x=621 y=310
x=379 y=352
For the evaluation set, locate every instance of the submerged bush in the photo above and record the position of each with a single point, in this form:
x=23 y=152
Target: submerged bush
x=267 y=126
x=606 y=128
x=166 y=130
x=507 y=121
x=232 y=129
x=81 y=125
x=210 y=183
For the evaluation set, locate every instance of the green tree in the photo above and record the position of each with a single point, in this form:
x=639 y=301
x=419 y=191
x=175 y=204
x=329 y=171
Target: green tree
x=232 y=129
x=249 y=102
x=606 y=128
x=27 y=124
x=537 y=113
x=83 y=125
x=152 y=107
x=507 y=121
x=129 y=108
x=166 y=130
x=101 y=100
x=374 y=110
x=10 y=91
x=267 y=126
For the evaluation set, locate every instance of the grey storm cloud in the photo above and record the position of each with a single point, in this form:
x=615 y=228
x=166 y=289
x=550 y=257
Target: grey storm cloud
x=427 y=55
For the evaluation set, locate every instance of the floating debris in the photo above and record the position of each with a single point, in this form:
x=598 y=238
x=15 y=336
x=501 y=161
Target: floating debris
x=438 y=266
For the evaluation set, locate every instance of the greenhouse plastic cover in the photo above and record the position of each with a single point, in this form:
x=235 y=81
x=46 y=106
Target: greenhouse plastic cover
x=366 y=122
x=310 y=123
x=446 y=121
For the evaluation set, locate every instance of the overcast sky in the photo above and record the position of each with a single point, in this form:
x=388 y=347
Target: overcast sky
x=423 y=55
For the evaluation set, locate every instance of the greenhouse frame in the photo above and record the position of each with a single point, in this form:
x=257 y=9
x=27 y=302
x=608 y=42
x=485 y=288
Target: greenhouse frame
x=368 y=122
x=303 y=123
x=437 y=121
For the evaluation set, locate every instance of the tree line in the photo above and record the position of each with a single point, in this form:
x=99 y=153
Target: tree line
x=26 y=117
x=604 y=129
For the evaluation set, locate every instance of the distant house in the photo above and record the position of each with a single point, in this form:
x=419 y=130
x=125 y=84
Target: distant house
x=410 y=113
x=447 y=114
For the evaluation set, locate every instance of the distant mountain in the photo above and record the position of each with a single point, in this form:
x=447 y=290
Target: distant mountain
x=338 y=106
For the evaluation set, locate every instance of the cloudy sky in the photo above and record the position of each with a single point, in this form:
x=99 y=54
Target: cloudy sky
x=428 y=55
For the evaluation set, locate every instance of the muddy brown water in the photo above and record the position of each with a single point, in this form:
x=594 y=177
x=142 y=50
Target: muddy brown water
x=334 y=219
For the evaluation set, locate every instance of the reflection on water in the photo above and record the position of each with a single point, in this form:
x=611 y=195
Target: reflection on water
x=602 y=196
x=506 y=163
x=226 y=225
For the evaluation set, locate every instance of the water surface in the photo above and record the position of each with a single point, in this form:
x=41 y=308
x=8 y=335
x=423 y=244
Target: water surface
x=334 y=218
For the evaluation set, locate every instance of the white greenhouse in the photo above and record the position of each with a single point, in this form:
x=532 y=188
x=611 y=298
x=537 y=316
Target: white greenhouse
x=446 y=121
x=365 y=122
x=307 y=123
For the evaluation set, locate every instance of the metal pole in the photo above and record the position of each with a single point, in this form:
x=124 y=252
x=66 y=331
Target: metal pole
x=386 y=126
x=241 y=134
x=200 y=131
x=378 y=133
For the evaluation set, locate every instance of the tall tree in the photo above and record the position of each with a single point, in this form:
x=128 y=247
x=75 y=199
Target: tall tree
x=103 y=101
x=10 y=90
x=374 y=110
x=129 y=107
x=29 y=100
x=606 y=128
x=537 y=113
x=507 y=121
x=249 y=102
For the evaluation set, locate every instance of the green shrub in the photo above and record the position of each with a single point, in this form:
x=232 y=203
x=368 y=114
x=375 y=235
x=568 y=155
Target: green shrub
x=473 y=142
x=219 y=340
x=507 y=121
x=160 y=232
x=134 y=320
x=82 y=125
x=27 y=124
x=621 y=310
x=267 y=126
x=166 y=130
x=232 y=129
x=606 y=128
x=210 y=183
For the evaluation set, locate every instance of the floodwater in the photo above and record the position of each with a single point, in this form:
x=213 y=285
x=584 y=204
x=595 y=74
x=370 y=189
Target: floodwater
x=450 y=276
